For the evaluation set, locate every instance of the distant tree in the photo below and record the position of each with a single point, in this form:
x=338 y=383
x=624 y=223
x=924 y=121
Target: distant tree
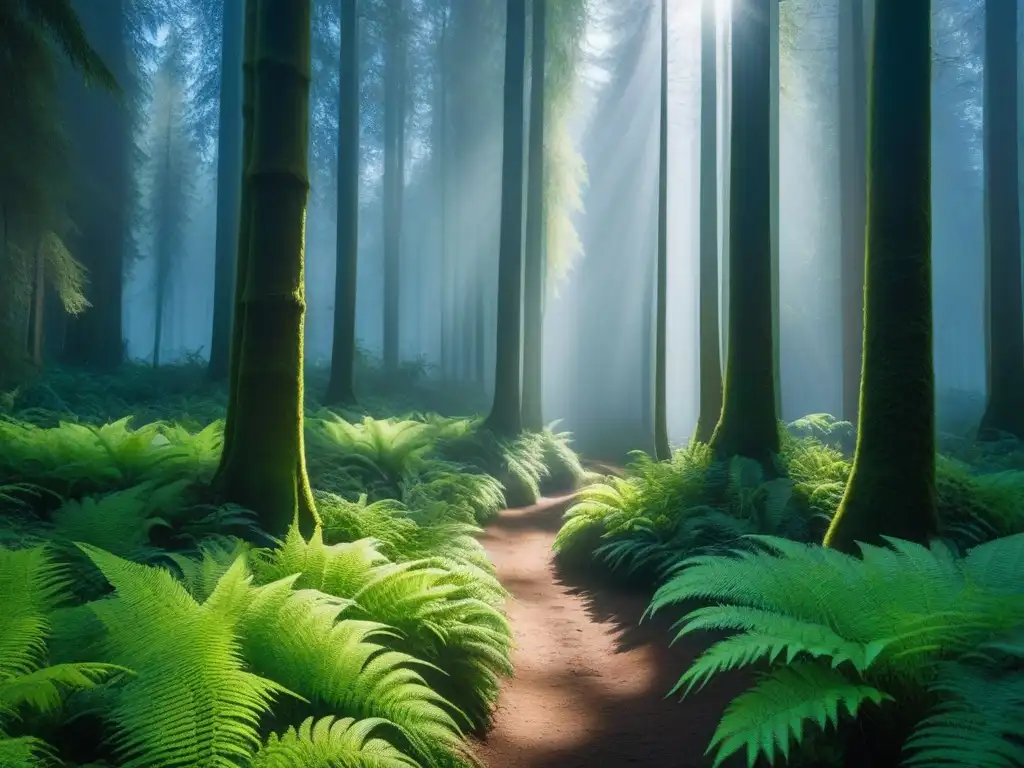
x=341 y=388
x=173 y=160
x=533 y=288
x=891 y=491
x=748 y=426
x=229 y=184
x=1004 y=410
x=662 y=450
x=505 y=418
x=710 y=404
x=265 y=468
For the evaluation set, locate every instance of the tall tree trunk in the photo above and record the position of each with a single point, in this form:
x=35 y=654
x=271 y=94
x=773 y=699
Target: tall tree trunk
x=229 y=186
x=37 y=311
x=244 y=226
x=662 y=450
x=891 y=491
x=724 y=212
x=441 y=157
x=102 y=137
x=505 y=418
x=853 y=194
x=748 y=425
x=266 y=469
x=394 y=178
x=479 y=329
x=710 y=357
x=341 y=387
x=1004 y=411
x=163 y=246
x=773 y=20
x=533 y=296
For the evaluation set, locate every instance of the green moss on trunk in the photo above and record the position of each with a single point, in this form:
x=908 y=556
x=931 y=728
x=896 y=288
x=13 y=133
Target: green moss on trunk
x=265 y=467
x=748 y=425
x=891 y=491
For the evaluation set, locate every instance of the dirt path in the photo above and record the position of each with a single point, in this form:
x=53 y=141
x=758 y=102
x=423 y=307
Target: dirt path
x=590 y=684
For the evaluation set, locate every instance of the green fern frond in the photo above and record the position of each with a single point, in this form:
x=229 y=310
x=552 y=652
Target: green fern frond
x=331 y=743
x=192 y=702
x=771 y=716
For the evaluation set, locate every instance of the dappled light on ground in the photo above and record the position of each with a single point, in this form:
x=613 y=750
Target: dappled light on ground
x=590 y=679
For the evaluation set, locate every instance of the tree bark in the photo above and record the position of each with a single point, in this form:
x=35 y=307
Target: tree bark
x=710 y=357
x=229 y=186
x=1004 y=409
x=101 y=133
x=341 y=387
x=891 y=491
x=853 y=195
x=265 y=470
x=662 y=450
x=748 y=425
x=505 y=418
x=533 y=301
x=394 y=179
x=244 y=225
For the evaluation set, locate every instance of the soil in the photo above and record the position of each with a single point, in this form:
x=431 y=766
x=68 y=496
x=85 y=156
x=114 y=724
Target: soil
x=591 y=680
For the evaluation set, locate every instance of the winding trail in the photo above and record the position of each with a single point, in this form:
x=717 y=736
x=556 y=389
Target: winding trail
x=590 y=682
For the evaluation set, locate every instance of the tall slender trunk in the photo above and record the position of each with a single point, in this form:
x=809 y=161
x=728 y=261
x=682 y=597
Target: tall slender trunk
x=394 y=178
x=853 y=194
x=341 y=387
x=37 y=312
x=725 y=213
x=229 y=186
x=440 y=154
x=710 y=408
x=101 y=131
x=163 y=248
x=266 y=469
x=773 y=20
x=891 y=491
x=662 y=450
x=1004 y=410
x=748 y=425
x=533 y=291
x=244 y=227
x=505 y=418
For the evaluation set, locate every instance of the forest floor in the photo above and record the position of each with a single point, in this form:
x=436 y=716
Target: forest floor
x=590 y=682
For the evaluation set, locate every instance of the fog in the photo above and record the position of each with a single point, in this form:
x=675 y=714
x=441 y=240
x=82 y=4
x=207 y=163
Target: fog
x=602 y=220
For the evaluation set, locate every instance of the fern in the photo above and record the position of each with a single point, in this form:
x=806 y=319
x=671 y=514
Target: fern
x=331 y=743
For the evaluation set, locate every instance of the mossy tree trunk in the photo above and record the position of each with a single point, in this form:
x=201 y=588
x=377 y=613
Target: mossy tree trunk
x=533 y=299
x=341 y=387
x=229 y=185
x=266 y=470
x=773 y=20
x=244 y=224
x=710 y=356
x=505 y=418
x=891 y=491
x=662 y=450
x=748 y=426
x=1004 y=410
x=852 y=181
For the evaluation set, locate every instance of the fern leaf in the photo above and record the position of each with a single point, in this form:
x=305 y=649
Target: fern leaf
x=771 y=716
x=331 y=743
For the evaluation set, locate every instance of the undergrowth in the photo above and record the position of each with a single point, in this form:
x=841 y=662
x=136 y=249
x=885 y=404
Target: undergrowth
x=145 y=626
x=907 y=655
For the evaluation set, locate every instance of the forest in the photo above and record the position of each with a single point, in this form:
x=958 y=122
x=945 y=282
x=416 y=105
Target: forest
x=511 y=384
